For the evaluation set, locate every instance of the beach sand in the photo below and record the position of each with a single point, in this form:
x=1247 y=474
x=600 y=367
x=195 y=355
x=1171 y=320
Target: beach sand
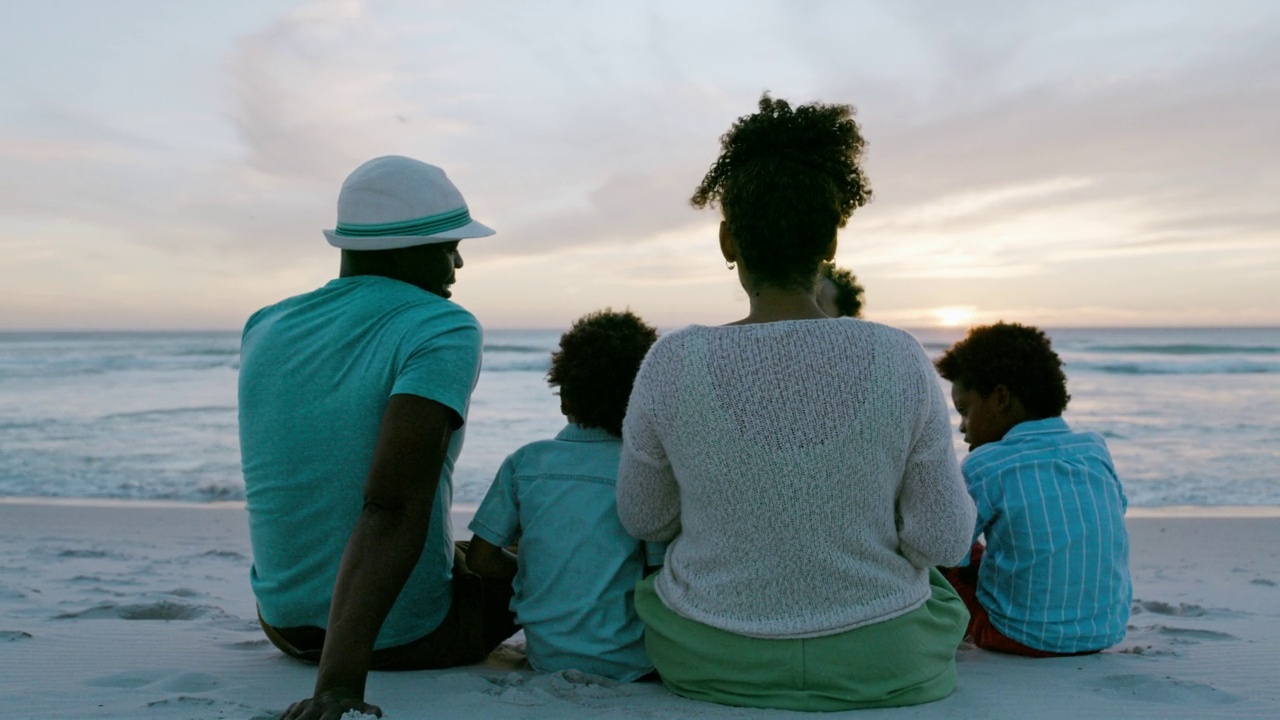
x=144 y=611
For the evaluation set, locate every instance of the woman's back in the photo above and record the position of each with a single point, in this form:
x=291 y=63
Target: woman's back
x=804 y=468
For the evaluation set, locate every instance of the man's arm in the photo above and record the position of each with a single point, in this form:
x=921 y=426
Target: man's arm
x=383 y=549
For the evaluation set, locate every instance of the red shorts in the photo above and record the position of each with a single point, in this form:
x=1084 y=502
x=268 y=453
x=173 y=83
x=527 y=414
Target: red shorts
x=981 y=631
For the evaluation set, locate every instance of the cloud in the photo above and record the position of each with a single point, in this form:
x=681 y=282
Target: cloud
x=1147 y=162
x=1005 y=140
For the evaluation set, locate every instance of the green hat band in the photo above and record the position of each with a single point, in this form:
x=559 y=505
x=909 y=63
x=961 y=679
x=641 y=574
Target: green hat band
x=419 y=227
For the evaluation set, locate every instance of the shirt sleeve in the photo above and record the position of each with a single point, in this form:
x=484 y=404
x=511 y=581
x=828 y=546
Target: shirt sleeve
x=979 y=487
x=497 y=521
x=936 y=513
x=444 y=363
x=648 y=496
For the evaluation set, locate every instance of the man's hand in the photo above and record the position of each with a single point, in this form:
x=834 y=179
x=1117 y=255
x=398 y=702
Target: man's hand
x=330 y=705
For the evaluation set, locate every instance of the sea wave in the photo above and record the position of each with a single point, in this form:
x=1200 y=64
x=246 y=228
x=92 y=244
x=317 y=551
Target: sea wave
x=540 y=365
x=1155 y=368
x=171 y=411
x=209 y=352
x=498 y=348
x=1185 y=349
x=75 y=366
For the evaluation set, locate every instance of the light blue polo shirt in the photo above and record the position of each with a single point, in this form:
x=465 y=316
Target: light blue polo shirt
x=316 y=372
x=1055 y=573
x=578 y=567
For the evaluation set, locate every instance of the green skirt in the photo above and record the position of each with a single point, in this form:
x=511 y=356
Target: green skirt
x=908 y=660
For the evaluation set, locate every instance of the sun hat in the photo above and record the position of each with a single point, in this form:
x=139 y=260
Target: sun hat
x=395 y=202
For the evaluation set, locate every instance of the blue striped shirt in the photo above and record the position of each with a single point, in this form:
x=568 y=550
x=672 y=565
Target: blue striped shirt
x=1055 y=574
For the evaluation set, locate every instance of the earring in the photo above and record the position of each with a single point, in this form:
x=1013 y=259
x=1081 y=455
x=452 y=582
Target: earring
x=729 y=264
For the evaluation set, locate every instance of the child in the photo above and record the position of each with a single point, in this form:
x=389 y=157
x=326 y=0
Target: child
x=1053 y=578
x=838 y=292
x=576 y=567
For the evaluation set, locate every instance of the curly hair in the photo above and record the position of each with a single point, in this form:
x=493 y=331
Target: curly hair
x=1020 y=357
x=596 y=366
x=848 y=292
x=786 y=180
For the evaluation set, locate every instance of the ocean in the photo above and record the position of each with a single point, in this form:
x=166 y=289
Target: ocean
x=1192 y=416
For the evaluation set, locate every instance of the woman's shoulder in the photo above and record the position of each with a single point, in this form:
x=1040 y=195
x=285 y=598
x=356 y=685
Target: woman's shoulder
x=883 y=335
x=678 y=341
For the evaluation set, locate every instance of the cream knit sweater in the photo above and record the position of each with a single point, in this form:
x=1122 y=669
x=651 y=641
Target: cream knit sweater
x=803 y=469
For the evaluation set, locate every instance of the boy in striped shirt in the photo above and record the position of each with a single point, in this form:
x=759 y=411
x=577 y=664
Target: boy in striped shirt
x=1053 y=577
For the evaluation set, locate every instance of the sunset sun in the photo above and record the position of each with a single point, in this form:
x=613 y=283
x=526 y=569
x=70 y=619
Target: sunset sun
x=955 y=315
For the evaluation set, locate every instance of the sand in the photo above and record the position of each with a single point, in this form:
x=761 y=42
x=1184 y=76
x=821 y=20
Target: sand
x=144 y=611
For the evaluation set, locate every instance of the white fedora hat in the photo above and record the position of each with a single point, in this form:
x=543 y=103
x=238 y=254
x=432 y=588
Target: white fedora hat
x=395 y=202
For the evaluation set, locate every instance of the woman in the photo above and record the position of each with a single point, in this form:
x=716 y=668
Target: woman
x=801 y=467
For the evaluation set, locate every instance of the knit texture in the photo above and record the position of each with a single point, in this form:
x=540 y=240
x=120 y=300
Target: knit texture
x=803 y=470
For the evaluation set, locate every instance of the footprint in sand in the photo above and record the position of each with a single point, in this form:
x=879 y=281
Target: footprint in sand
x=184 y=701
x=1147 y=651
x=258 y=644
x=191 y=682
x=163 y=610
x=223 y=554
x=130 y=679
x=1164 y=608
x=1186 y=610
x=1191 y=634
x=1166 y=690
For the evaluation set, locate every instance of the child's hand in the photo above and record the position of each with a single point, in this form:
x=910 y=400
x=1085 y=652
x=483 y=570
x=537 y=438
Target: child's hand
x=490 y=561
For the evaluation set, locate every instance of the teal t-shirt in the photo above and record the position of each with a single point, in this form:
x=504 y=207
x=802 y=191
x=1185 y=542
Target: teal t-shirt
x=316 y=372
x=574 y=590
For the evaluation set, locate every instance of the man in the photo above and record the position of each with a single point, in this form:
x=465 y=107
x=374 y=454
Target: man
x=352 y=401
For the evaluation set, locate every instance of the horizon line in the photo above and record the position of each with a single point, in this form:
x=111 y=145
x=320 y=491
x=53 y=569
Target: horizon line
x=513 y=328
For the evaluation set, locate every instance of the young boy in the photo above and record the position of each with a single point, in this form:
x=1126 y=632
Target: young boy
x=577 y=567
x=1053 y=578
x=838 y=292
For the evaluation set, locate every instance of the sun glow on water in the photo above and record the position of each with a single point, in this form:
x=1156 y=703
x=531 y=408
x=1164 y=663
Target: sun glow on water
x=955 y=315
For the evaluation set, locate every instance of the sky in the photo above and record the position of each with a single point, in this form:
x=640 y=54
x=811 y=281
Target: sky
x=171 y=164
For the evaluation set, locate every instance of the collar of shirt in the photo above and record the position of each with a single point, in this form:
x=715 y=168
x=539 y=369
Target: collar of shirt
x=577 y=433
x=1038 y=427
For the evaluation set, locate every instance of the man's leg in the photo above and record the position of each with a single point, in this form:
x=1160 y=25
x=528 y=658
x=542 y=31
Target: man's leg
x=479 y=619
x=303 y=643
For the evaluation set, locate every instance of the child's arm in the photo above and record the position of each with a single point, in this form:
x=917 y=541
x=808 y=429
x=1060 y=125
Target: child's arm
x=490 y=561
x=496 y=525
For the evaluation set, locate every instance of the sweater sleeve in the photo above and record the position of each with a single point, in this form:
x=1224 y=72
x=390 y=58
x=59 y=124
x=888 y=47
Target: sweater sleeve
x=936 y=513
x=648 y=496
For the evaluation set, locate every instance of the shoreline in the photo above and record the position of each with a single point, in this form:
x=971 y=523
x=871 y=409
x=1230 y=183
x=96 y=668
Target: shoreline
x=468 y=509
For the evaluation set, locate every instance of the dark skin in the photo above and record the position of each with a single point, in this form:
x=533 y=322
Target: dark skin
x=399 y=495
x=987 y=418
x=490 y=561
x=430 y=267
x=825 y=295
x=769 y=302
